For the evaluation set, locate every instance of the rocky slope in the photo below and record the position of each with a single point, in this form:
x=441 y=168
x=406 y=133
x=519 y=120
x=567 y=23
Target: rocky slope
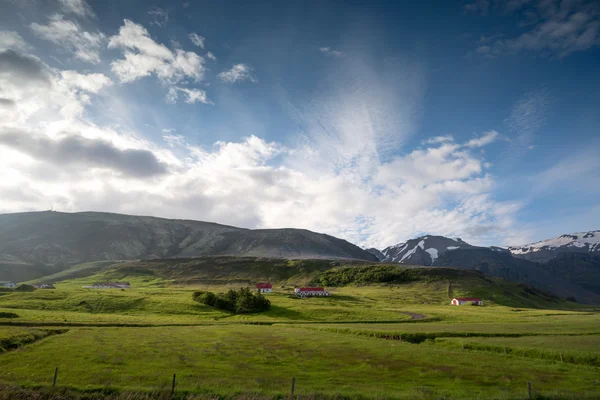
x=40 y=242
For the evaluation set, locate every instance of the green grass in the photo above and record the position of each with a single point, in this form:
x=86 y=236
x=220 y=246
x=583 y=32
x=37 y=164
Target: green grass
x=230 y=360
x=135 y=339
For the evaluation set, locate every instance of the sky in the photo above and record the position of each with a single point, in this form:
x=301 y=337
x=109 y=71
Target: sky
x=371 y=121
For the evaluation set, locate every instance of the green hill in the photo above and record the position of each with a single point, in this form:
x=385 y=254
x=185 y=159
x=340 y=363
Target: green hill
x=432 y=285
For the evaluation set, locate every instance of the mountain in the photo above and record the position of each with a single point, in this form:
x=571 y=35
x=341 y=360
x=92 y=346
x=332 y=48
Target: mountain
x=568 y=266
x=41 y=243
x=424 y=250
x=545 y=250
x=502 y=264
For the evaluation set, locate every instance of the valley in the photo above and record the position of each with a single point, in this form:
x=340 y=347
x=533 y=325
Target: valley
x=128 y=343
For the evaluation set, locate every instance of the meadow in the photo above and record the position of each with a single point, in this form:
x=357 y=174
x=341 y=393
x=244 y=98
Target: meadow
x=400 y=341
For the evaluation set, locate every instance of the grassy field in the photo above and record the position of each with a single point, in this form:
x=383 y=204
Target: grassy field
x=346 y=345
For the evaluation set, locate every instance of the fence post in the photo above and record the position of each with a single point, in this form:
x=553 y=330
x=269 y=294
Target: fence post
x=293 y=386
x=55 y=376
x=529 y=389
x=561 y=359
x=504 y=350
x=173 y=386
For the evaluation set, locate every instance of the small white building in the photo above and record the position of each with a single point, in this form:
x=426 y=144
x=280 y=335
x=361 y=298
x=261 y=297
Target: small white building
x=311 y=292
x=9 y=285
x=461 y=301
x=109 y=285
x=264 y=287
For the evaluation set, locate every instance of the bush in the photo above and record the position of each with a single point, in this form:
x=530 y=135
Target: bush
x=243 y=301
x=8 y=315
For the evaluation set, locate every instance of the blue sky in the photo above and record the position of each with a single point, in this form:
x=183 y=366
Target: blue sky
x=371 y=121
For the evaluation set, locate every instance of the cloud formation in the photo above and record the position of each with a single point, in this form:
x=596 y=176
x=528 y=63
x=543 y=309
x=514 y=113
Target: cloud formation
x=82 y=152
x=197 y=39
x=526 y=118
x=483 y=140
x=159 y=16
x=328 y=51
x=191 y=95
x=12 y=40
x=238 y=73
x=69 y=36
x=144 y=57
x=77 y=7
x=549 y=27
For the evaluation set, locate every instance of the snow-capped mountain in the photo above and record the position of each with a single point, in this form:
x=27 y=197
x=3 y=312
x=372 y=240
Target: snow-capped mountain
x=423 y=250
x=580 y=242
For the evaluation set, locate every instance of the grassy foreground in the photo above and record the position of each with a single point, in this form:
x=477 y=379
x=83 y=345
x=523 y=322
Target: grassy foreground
x=399 y=341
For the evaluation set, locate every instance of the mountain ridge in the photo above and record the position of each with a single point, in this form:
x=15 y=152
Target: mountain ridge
x=45 y=242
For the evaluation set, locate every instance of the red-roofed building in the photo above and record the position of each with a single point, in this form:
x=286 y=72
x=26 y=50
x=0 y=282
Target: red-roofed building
x=264 y=287
x=461 y=301
x=311 y=291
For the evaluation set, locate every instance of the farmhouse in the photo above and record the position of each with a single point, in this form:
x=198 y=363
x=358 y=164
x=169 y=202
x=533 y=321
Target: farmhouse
x=461 y=301
x=10 y=285
x=109 y=285
x=43 y=286
x=311 y=291
x=264 y=287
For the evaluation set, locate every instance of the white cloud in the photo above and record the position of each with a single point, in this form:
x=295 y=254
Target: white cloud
x=195 y=96
x=211 y=56
x=197 y=39
x=439 y=139
x=328 y=51
x=160 y=17
x=551 y=28
x=171 y=96
x=483 y=140
x=77 y=7
x=92 y=83
x=238 y=73
x=144 y=57
x=347 y=174
x=191 y=95
x=68 y=35
x=12 y=40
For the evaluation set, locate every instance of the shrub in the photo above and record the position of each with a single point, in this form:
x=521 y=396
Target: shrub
x=8 y=315
x=243 y=301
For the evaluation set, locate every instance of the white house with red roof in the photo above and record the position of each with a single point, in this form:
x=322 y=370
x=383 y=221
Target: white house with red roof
x=311 y=292
x=264 y=287
x=461 y=301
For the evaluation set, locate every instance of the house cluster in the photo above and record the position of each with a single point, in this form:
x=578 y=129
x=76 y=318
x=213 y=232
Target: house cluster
x=43 y=286
x=300 y=292
x=109 y=285
x=264 y=288
x=461 y=301
x=311 y=292
x=8 y=285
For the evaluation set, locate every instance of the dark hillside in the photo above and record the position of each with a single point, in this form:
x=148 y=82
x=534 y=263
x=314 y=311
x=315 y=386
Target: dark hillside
x=40 y=243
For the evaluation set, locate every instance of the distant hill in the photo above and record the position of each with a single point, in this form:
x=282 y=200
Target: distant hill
x=568 y=266
x=545 y=250
x=36 y=244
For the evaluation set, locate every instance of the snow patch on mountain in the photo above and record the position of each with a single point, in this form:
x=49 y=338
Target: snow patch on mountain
x=579 y=240
x=413 y=250
x=452 y=247
x=433 y=253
